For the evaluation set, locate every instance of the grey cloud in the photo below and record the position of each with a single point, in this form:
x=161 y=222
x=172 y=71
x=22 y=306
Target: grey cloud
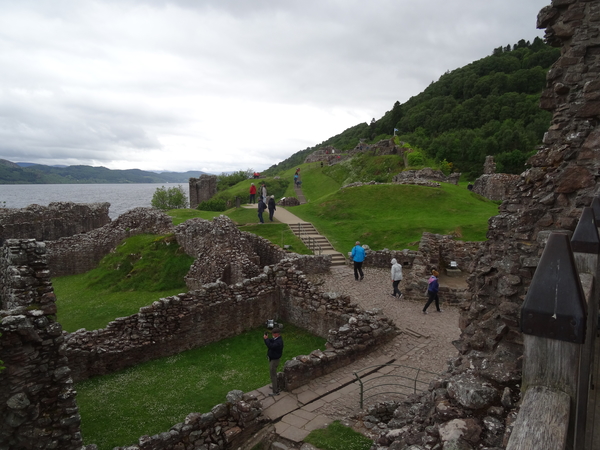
x=98 y=80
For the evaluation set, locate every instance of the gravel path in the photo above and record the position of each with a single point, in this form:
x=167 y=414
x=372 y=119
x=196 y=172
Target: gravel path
x=426 y=340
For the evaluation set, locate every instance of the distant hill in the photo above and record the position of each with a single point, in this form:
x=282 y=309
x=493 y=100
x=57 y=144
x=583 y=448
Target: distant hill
x=11 y=173
x=488 y=107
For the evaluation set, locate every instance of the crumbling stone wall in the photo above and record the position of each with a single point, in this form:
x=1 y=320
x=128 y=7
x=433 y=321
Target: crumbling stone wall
x=224 y=253
x=37 y=400
x=495 y=186
x=423 y=175
x=436 y=251
x=549 y=196
x=82 y=252
x=171 y=325
x=227 y=425
x=202 y=189
x=218 y=311
x=489 y=166
x=383 y=147
x=48 y=223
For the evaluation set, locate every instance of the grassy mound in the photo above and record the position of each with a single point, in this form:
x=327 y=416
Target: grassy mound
x=395 y=216
x=141 y=270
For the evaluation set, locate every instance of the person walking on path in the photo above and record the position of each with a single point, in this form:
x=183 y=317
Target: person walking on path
x=261 y=209
x=296 y=180
x=252 y=193
x=274 y=352
x=396 y=278
x=358 y=256
x=271 y=206
x=263 y=192
x=433 y=286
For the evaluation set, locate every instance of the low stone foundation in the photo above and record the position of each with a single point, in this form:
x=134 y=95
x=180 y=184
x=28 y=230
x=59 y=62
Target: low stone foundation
x=227 y=425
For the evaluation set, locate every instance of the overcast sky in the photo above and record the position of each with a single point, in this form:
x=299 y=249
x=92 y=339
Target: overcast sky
x=224 y=85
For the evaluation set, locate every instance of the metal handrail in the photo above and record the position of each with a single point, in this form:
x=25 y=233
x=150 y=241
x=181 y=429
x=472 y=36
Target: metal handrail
x=310 y=242
x=413 y=386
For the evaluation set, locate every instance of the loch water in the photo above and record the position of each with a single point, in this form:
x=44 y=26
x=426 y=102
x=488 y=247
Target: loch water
x=122 y=197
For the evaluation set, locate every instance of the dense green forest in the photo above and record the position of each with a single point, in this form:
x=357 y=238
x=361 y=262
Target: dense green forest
x=11 y=173
x=489 y=107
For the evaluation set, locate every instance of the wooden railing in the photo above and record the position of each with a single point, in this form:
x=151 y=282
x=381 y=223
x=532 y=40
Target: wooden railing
x=559 y=320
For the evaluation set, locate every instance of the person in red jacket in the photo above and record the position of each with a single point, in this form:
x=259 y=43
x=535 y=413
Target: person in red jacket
x=252 y=193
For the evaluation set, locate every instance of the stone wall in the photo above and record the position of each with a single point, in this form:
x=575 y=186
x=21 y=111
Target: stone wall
x=82 y=252
x=227 y=425
x=213 y=313
x=202 y=189
x=48 y=223
x=435 y=252
x=563 y=178
x=495 y=186
x=37 y=399
x=426 y=174
x=224 y=253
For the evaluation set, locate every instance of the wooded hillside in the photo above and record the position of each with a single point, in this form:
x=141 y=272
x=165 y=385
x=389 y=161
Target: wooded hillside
x=489 y=107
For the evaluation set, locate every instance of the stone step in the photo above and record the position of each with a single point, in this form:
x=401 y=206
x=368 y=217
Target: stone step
x=309 y=236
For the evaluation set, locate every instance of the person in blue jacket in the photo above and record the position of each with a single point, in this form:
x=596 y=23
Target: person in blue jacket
x=358 y=256
x=433 y=287
x=274 y=352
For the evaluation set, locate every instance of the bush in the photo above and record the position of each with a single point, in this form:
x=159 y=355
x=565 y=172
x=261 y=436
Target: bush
x=172 y=198
x=416 y=159
x=214 y=204
x=225 y=181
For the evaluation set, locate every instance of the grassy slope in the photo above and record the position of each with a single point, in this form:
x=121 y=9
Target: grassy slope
x=143 y=269
x=389 y=216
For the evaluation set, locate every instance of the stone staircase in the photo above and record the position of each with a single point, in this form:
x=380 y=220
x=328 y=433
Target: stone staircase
x=317 y=243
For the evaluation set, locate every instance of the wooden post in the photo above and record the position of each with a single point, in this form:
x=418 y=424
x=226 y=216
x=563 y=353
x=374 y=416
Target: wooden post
x=553 y=320
x=586 y=246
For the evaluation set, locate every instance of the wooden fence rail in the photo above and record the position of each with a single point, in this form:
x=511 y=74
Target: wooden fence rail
x=559 y=321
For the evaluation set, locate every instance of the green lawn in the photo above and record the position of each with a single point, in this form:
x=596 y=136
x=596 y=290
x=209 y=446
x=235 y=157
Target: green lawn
x=338 y=437
x=117 y=409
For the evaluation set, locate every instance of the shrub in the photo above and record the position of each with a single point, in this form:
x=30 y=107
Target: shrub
x=446 y=167
x=214 y=204
x=416 y=159
x=172 y=198
x=225 y=181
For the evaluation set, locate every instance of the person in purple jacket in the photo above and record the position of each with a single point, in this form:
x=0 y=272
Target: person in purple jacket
x=432 y=291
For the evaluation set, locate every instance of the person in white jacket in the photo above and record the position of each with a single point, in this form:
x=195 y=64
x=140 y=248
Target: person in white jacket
x=396 y=278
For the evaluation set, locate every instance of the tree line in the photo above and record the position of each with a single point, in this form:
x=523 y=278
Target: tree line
x=488 y=107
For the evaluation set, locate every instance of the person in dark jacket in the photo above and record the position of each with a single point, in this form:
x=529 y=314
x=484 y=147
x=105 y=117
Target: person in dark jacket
x=433 y=287
x=271 y=206
x=274 y=352
x=261 y=209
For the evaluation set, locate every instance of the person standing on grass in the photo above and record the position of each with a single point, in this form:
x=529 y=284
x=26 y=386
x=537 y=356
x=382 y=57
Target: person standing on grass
x=274 y=352
x=271 y=206
x=252 y=193
x=396 y=278
x=261 y=209
x=358 y=256
x=263 y=192
x=433 y=286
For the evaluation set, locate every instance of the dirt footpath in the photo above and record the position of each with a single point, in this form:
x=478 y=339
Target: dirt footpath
x=425 y=341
